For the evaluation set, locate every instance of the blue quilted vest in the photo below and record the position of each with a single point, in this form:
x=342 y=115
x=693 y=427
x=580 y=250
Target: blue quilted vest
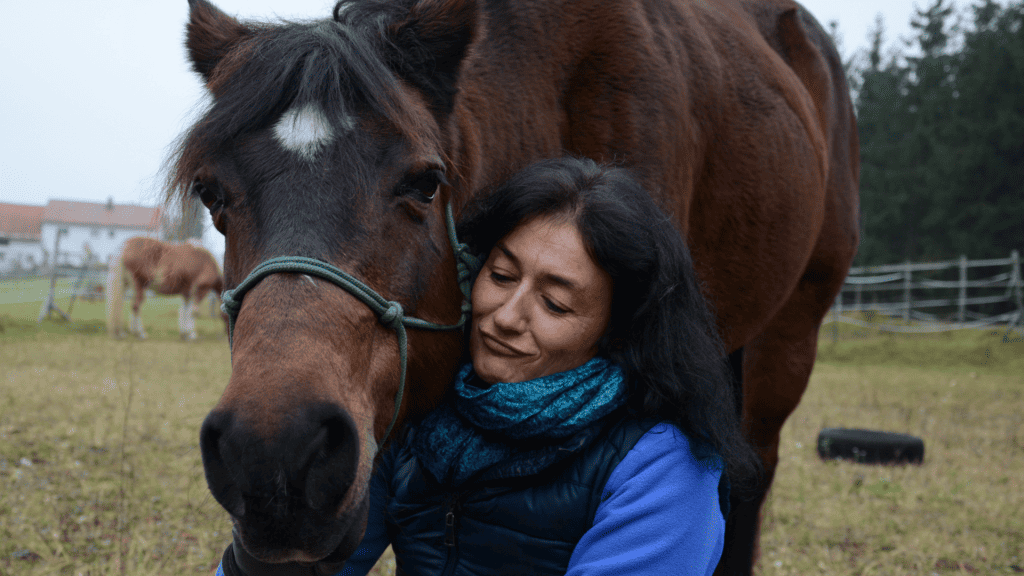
x=523 y=516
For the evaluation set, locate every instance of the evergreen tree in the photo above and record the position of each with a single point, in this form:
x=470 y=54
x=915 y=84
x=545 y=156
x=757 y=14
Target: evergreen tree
x=942 y=139
x=882 y=126
x=929 y=154
x=986 y=218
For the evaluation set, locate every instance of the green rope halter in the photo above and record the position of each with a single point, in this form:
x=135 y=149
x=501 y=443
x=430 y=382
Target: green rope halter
x=389 y=311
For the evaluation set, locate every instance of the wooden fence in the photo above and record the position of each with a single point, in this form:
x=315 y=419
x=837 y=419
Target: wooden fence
x=933 y=296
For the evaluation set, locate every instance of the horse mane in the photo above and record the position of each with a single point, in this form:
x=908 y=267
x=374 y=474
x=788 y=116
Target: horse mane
x=342 y=64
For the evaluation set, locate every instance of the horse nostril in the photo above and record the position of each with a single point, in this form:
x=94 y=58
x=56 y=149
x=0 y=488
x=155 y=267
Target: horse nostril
x=310 y=461
x=218 y=477
x=332 y=459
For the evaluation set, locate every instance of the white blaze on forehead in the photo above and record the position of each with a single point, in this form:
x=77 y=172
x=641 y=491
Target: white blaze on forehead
x=304 y=130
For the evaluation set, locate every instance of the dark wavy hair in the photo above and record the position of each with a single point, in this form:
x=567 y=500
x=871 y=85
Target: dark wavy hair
x=662 y=331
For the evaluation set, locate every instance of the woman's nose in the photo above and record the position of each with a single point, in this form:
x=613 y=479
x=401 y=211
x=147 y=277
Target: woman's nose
x=510 y=316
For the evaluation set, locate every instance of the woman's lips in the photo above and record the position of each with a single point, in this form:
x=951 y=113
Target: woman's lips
x=498 y=347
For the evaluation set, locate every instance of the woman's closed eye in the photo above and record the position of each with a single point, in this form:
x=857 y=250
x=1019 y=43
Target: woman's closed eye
x=499 y=277
x=555 y=307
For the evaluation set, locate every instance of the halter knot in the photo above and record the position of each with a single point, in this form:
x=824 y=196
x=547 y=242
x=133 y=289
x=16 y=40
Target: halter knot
x=228 y=304
x=392 y=317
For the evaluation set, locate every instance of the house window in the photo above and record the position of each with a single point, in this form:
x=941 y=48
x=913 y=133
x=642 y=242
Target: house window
x=95 y=232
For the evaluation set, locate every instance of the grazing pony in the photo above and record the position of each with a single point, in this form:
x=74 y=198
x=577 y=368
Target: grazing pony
x=186 y=269
x=342 y=143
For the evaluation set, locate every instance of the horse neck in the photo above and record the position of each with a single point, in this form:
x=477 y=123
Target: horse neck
x=550 y=78
x=513 y=84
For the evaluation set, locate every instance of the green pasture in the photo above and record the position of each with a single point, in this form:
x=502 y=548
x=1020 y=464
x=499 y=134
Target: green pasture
x=100 y=471
x=22 y=300
x=960 y=512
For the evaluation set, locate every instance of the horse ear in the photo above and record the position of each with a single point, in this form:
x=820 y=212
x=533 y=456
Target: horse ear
x=210 y=34
x=443 y=30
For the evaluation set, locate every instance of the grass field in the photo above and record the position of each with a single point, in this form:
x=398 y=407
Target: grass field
x=100 y=471
x=961 y=511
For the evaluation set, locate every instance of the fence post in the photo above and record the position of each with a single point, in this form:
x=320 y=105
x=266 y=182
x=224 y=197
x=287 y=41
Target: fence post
x=906 y=291
x=1018 y=284
x=50 y=305
x=963 y=289
x=837 y=307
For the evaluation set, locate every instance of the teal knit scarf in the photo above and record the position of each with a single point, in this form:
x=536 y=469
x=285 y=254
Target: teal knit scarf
x=478 y=425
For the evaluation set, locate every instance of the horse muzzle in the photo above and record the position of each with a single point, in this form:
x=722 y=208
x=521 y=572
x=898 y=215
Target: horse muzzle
x=292 y=495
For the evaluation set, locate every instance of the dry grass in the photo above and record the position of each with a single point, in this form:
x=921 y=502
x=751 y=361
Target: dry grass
x=98 y=456
x=961 y=511
x=100 y=471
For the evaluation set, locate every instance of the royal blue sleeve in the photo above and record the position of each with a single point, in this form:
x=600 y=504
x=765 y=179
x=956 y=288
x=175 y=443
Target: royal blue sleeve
x=659 y=515
x=375 y=540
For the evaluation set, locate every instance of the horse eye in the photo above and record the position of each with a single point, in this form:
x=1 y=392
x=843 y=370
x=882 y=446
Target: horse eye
x=423 y=186
x=208 y=197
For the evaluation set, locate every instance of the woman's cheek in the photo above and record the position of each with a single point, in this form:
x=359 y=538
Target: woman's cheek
x=483 y=298
x=551 y=334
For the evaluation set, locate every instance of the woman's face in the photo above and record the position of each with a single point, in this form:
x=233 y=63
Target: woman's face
x=540 y=304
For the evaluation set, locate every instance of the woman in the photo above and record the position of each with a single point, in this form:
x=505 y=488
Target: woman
x=594 y=430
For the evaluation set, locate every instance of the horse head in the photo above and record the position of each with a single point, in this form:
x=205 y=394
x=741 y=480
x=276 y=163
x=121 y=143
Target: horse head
x=325 y=140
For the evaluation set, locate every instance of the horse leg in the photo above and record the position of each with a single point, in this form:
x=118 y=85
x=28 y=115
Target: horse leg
x=187 y=319
x=777 y=365
x=140 y=297
x=181 y=316
x=117 y=281
x=192 y=319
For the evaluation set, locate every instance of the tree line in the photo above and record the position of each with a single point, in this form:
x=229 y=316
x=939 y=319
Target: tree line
x=942 y=136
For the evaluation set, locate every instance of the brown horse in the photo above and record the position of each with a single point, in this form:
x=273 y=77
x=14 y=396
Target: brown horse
x=344 y=140
x=142 y=263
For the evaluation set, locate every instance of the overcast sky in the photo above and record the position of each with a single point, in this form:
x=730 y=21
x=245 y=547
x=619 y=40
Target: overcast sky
x=93 y=93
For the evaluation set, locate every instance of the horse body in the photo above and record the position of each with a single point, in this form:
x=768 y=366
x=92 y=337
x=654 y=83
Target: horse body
x=734 y=114
x=145 y=263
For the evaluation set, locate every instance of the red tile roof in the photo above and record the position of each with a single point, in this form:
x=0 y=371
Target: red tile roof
x=68 y=212
x=21 y=221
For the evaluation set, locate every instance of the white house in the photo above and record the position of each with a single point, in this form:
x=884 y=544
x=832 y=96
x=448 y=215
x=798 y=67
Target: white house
x=28 y=234
x=99 y=228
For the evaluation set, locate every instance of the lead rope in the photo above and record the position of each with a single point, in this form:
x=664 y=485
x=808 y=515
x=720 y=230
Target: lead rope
x=389 y=312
